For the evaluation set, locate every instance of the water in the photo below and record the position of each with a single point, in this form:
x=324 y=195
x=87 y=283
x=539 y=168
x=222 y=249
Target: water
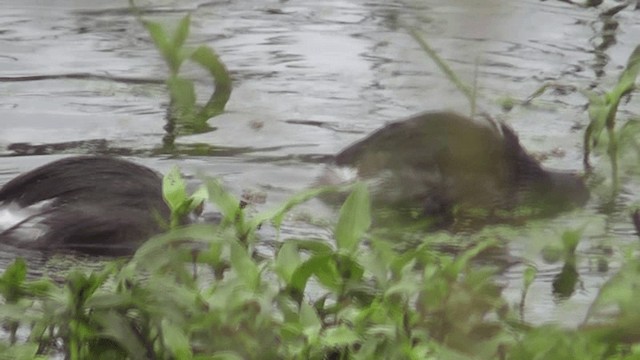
x=309 y=78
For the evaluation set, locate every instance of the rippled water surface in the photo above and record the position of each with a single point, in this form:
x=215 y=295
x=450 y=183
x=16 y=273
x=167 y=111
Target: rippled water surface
x=310 y=77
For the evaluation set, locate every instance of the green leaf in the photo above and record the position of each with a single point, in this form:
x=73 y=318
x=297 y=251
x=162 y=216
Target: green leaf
x=309 y=320
x=318 y=264
x=13 y=279
x=16 y=273
x=529 y=275
x=198 y=198
x=164 y=45
x=244 y=266
x=355 y=219
x=183 y=101
x=570 y=240
x=339 y=336
x=182 y=32
x=629 y=75
x=208 y=59
x=228 y=204
x=176 y=340
x=117 y=328
x=174 y=188
x=287 y=261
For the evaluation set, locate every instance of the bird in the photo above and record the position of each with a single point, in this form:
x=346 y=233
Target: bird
x=442 y=166
x=93 y=204
x=433 y=165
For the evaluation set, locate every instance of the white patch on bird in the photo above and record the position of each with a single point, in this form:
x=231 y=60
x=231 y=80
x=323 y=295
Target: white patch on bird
x=24 y=222
x=30 y=230
x=338 y=175
x=12 y=214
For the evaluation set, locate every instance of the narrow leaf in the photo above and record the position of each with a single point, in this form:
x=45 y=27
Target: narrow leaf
x=182 y=32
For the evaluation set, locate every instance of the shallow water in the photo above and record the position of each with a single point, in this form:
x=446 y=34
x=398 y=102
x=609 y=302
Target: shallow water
x=309 y=78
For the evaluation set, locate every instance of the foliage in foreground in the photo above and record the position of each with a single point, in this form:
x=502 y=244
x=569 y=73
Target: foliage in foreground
x=216 y=297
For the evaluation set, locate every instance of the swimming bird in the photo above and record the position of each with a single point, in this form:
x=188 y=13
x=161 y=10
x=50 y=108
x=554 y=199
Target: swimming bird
x=442 y=164
x=93 y=204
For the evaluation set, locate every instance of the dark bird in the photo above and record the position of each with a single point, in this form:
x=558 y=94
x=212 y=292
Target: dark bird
x=93 y=204
x=437 y=165
x=441 y=164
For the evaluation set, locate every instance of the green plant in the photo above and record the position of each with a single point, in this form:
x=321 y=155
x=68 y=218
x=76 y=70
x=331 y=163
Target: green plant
x=469 y=92
x=184 y=116
x=602 y=115
x=174 y=190
x=205 y=291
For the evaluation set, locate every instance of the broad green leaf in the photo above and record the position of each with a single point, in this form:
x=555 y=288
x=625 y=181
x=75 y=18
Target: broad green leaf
x=287 y=261
x=314 y=265
x=13 y=280
x=16 y=273
x=339 y=336
x=355 y=219
x=199 y=197
x=119 y=329
x=174 y=188
x=176 y=340
x=228 y=204
x=309 y=320
x=244 y=266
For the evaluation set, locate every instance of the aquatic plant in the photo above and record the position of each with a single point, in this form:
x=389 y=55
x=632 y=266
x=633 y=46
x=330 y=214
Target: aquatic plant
x=204 y=291
x=181 y=204
x=469 y=92
x=603 y=109
x=184 y=115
